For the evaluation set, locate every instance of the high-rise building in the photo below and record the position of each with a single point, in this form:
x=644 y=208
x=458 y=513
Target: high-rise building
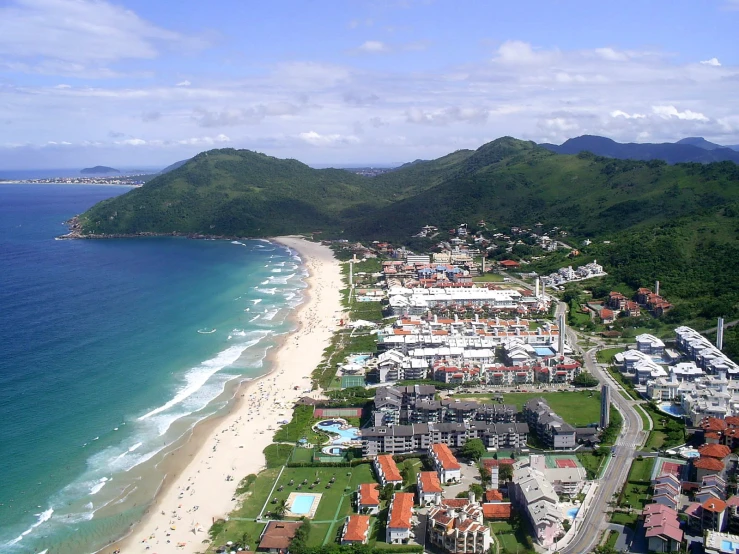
x=605 y=406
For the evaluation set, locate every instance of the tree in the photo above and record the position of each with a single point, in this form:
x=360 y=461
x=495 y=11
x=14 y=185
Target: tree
x=474 y=449
x=281 y=508
x=387 y=492
x=505 y=472
x=486 y=476
x=584 y=379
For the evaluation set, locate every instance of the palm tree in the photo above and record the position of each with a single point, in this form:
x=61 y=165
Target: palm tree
x=281 y=508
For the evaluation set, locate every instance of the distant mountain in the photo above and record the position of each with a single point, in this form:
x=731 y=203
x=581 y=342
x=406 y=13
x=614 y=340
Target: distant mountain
x=173 y=166
x=99 y=170
x=669 y=152
x=700 y=142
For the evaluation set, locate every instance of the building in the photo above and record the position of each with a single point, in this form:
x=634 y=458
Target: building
x=447 y=466
x=368 y=498
x=533 y=495
x=356 y=529
x=457 y=527
x=720 y=543
x=277 y=535
x=605 y=406
x=428 y=487
x=649 y=344
x=550 y=428
x=386 y=470
x=662 y=528
x=398 y=530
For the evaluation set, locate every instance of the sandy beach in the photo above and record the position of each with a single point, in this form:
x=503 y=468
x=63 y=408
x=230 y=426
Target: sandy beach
x=206 y=473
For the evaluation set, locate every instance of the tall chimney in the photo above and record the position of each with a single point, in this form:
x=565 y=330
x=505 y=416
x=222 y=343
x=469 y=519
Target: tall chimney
x=351 y=273
x=656 y=288
x=720 y=333
x=537 y=287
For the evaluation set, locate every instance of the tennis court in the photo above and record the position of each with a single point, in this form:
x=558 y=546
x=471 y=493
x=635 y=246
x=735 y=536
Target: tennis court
x=664 y=465
x=348 y=381
x=562 y=461
x=565 y=462
x=337 y=412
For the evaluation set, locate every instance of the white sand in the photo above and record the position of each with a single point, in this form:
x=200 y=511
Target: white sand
x=200 y=493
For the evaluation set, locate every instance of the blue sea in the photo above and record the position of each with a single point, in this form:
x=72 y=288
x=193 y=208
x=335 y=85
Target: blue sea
x=111 y=351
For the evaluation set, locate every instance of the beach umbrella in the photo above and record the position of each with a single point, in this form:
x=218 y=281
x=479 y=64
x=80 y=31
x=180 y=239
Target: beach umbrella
x=229 y=543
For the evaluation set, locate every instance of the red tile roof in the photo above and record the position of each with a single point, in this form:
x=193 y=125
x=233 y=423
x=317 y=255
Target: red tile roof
x=651 y=509
x=493 y=496
x=429 y=481
x=709 y=463
x=278 y=534
x=713 y=424
x=445 y=457
x=356 y=528
x=401 y=510
x=389 y=469
x=719 y=451
x=714 y=505
x=455 y=502
x=497 y=510
x=733 y=501
x=370 y=494
x=732 y=421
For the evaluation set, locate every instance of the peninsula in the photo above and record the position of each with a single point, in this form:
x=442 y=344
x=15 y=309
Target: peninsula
x=98 y=170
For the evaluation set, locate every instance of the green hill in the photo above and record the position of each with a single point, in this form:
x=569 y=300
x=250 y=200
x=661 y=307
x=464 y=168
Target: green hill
x=235 y=192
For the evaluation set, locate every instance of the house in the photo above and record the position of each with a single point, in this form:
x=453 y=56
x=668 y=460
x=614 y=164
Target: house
x=707 y=466
x=496 y=510
x=356 y=529
x=509 y=264
x=429 y=488
x=607 y=316
x=534 y=495
x=368 y=498
x=398 y=530
x=386 y=470
x=457 y=527
x=446 y=464
x=277 y=535
x=713 y=513
x=662 y=528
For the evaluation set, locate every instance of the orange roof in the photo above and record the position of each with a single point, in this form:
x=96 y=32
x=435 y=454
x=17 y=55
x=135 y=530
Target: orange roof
x=493 y=496
x=709 y=463
x=356 y=528
x=445 y=456
x=713 y=424
x=389 y=469
x=401 y=510
x=711 y=435
x=732 y=421
x=370 y=494
x=714 y=505
x=497 y=511
x=429 y=481
x=401 y=332
x=719 y=451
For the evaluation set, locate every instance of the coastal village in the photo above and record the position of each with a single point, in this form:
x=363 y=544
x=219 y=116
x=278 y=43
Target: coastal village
x=456 y=410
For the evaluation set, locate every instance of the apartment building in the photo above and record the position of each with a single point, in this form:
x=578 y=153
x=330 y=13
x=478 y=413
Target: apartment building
x=550 y=428
x=457 y=527
x=398 y=529
x=446 y=464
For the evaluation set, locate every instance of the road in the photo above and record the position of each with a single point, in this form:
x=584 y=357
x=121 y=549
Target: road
x=631 y=438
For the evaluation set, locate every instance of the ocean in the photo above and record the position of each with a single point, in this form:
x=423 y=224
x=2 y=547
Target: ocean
x=110 y=351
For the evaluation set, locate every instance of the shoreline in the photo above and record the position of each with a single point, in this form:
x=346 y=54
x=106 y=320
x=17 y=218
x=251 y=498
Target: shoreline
x=196 y=490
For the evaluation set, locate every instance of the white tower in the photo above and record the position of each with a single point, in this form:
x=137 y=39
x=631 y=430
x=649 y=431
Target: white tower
x=720 y=333
x=561 y=345
x=351 y=273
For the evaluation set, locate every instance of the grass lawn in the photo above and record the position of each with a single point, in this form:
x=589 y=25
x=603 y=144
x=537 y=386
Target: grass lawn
x=606 y=356
x=612 y=538
x=335 y=504
x=488 y=278
x=625 y=381
x=629 y=520
x=591 y=463
x=641 y=470
x=645 y=419
x=658 y=437
x=302 y=455
x=576 y=408
x=510 y=542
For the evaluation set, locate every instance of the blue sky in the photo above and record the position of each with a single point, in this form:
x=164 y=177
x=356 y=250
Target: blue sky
x=146 y=83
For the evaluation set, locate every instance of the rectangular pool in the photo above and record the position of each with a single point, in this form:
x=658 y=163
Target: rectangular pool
x=302 y=504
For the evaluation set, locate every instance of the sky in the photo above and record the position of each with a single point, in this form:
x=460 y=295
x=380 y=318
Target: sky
x=350 y=82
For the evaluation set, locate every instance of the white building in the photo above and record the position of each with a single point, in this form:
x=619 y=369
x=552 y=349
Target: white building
x=429 y=488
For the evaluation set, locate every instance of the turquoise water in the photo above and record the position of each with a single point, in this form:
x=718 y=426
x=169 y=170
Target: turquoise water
x=102 y=365
x=544 y=351
x=671 y=409
x=345 y=435
x=729 y=546
x=572 y=513
x=302 y=503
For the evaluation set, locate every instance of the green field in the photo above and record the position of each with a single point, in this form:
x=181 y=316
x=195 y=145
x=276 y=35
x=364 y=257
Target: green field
x=488 y=278
x=591 y=463
x=512 y=541
x=635 y=494
x=606 y=356
x=576 y=408
x=335 y=504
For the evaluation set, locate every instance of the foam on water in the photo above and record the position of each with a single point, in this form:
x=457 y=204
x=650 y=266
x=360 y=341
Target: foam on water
x=97 y=487
x=42 y=517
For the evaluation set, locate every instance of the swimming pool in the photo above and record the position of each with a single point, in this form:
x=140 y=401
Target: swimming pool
x=729 y=546
x=543 y=351
x=302 y=503
x=335 y=427
x=572 y=513
x=671 y=409
x=359 y=358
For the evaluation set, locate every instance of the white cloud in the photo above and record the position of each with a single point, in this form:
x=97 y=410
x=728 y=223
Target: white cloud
x=672 y=111
x=516 y=52
x=619 y=113
x=611 y=55
x=62 y=86
x=79 y=36
x=132 y=142
x=373 y=47
x=184 y=83
x=317 y=139
x=713 y=62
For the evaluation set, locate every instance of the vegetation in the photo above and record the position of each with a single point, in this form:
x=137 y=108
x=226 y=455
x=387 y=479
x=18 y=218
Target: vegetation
x=585 y=379
x=610 y=433
x=576 y=408
x=667 y=430
x=473 y=449
x=635 y=492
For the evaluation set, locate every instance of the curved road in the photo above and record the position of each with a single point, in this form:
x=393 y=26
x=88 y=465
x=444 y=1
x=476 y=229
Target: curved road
x=631 y=438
